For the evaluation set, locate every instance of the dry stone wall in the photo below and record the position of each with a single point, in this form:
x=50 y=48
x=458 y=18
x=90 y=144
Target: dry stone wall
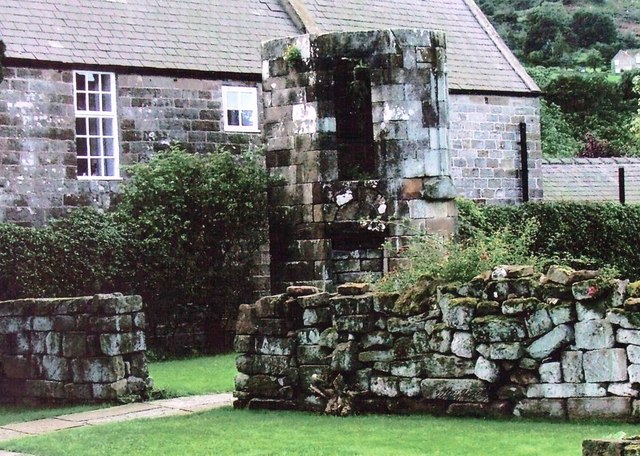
x=86 y=349
x=510 y=342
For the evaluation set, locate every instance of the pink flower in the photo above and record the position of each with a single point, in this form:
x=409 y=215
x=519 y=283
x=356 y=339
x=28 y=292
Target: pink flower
x=592 y=291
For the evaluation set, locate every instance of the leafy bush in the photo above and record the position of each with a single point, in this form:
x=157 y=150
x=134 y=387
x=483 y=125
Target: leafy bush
x=83 y=254
x=459 y=260
x=590 y=234
x=199 y=220
x=184 y=237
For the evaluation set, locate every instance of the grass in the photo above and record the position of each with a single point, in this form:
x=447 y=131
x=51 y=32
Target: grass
x=185 y=377
x=227 y=431
x=211 y=374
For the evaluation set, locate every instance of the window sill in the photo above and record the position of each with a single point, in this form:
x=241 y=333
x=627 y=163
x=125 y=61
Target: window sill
x=96 y=178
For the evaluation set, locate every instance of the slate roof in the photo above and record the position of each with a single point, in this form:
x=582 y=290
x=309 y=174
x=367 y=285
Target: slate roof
x=225 y=35
x=590 y=179
x=477 y=58
x=206 y=35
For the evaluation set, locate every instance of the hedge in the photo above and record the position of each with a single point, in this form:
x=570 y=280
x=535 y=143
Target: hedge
x=593 y=234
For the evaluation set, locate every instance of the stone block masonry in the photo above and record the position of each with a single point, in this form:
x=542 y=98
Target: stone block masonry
x=37 y=135
x=485 y=149
x=510 y=342
x=73 y=350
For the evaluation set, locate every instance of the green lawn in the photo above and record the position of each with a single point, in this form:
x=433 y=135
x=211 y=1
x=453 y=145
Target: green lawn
x=212 y=374
x=227 y=431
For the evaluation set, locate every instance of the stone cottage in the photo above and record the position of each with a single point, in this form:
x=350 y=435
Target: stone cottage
x=92 y=86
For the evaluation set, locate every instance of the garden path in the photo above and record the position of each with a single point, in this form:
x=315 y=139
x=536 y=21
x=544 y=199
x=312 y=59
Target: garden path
x=152 y=409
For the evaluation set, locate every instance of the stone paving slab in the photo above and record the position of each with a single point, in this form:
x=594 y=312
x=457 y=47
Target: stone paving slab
x=109 y=412
x=42 y=426
x=155 y=409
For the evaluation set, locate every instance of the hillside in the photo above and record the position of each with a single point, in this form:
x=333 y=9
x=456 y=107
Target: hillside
x=569 y=33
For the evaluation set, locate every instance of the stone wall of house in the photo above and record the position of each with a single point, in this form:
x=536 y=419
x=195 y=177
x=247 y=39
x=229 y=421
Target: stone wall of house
x=628 y=446
x=510 y=342
x=86 y=349
x=37 y=135
x=485 y=150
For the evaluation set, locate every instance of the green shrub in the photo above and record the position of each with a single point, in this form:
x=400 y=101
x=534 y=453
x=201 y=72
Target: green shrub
x=199 y=220
x=83 y=254
x=588 y=234
x=461 y=259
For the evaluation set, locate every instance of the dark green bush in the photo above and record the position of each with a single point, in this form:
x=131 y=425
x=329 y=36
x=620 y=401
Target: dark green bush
x=595 y=234
x=83 y=254
x=185 y=237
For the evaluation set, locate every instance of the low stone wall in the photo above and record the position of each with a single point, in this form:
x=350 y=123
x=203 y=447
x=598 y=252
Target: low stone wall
x=86 y=349
x=621 y=447
x=510 y=342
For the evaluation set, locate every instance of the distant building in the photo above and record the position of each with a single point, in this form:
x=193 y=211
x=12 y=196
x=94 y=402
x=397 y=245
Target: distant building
x=626 y=60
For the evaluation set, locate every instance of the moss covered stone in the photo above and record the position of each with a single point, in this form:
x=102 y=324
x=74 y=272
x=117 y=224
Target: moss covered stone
x=519 y=306
x=498 y=328
x=488 y=308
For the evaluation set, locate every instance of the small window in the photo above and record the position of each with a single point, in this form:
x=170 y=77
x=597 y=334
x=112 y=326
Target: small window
x=97 y=149
x=240 y=106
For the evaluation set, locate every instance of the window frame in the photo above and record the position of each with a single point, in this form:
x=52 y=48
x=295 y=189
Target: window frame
x=99 y=115
x=254 y=105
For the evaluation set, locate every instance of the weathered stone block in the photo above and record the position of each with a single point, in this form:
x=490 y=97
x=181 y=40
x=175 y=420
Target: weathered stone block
x=440 y=340
x=538 y=322
x=348 y=305
x=566 y=390
x=497 y=329
x=550 y=373
x=628 y=336
x=375 y=356
x=604 y=448
x=354 y=323
x=55 y=368
x=247 y=322
x=353 y=289
x=633 y=354
x=410 y=387
x=572 y=370
x=441 y=366
x=311 y=354
x=409 y=368
x=309 y=336
x=377 y=339
x=310 y=375
x=634 y=373
x=266 y=345
x=606 y=365
x=270 y=306
x=594 y=334
x=301 y=290
x=44 y=389
x=487 y=370
x=74 y=344
x=344 y=357
x=385 y=386
x=384 y=302
x=505 y=351
x=316 y=316
x=455 y=390
x=632 y=305
x=329 y=338
x=243 y=344
x=586 y=290
x=591 y=310
x=623 y=389
x=602 y=407
x=463 y=344
x=624 y=319
x=540 y=408
x=98 y=370
x=457 y=313
x=314 y=300
x=550 y=342
x=561 y=311
x=406 y=325
x=518 y=306
x=263 y=364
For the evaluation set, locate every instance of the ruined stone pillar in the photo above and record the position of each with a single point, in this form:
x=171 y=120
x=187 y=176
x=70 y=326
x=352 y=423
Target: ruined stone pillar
x=356 y=127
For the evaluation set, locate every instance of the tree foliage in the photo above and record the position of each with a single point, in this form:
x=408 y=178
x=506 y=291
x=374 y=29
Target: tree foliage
x=591 y=27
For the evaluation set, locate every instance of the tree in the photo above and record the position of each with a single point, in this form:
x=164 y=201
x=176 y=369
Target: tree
x=547 y=27
x=591 y=58
x=590 y=27
x=635 y=123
